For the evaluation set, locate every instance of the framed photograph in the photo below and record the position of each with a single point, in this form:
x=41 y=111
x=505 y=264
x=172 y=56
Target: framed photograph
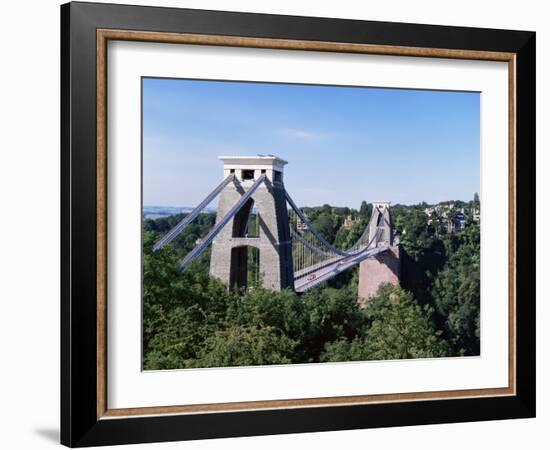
x=276 y=224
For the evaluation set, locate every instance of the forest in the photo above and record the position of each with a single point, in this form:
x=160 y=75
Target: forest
x=191 y=320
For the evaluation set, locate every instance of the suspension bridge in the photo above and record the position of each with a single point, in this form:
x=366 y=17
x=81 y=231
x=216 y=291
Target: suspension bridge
x=292 y=253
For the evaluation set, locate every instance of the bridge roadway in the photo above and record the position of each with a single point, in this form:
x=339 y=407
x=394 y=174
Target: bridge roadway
x=308 y=280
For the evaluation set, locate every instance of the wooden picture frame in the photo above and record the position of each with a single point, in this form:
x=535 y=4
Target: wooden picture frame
x=86 y=418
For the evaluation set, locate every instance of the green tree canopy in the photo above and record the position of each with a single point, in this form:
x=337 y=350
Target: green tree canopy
x=245 y=346
x=193 y=320
x=456 y=291
x=365 y=210
x=399 y=329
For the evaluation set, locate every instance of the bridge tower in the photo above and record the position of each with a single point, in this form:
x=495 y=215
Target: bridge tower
x=230 y=248
x=384 y=267
x=381 y=221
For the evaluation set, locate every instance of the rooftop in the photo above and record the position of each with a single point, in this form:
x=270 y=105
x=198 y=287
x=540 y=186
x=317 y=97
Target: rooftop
x=254 y=159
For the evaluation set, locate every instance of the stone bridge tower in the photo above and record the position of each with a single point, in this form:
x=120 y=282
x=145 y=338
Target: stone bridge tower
x=381 y=221
x=230 y=248
x=384 y=267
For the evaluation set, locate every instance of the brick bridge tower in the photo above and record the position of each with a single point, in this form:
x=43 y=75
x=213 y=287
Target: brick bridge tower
x=271 y=237
x=384 y=267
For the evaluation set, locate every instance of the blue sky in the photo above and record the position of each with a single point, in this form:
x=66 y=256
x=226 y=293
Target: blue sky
x=343 y=144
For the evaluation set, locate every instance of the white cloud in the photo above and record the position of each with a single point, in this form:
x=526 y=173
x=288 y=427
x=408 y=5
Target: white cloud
x=306 y=135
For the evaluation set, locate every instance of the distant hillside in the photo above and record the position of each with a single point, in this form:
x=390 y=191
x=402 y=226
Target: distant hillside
x=155 y=212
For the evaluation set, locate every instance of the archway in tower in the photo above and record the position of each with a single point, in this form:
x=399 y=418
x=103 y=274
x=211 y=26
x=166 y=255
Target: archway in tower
x=246 y=221
x=245 y=267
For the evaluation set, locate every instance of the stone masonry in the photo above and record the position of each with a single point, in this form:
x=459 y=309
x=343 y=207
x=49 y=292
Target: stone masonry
x=230 y=247
x=382 y=268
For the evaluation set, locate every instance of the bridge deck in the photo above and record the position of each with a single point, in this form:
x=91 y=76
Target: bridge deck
x=305 y=282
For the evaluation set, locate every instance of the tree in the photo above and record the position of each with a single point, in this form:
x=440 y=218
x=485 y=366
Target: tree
x=365 y=210
x=283 y=311
x=355 y=233
x=416 y=237
x=326 y=209
x=332 y=314
x=476 y=197
x=192 y=320
x=341 y=238
x=177 y=338
x=438 y=223
x=179 y=308
x=456 y=291
x=245 y=346
x=325 y=225
x=400 y=329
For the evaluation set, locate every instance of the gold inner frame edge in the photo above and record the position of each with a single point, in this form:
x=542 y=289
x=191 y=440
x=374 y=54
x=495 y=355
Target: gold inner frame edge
x=103 y=36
